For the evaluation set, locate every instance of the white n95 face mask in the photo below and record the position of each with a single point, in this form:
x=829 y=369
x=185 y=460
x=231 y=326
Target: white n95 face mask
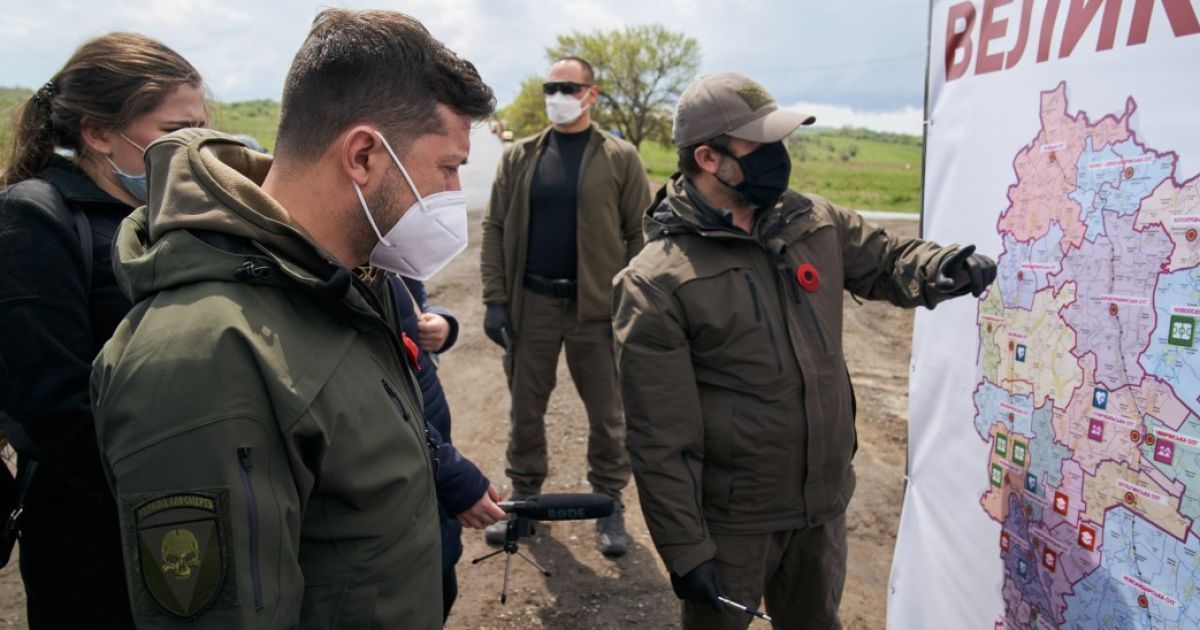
x=427 y=237
x=562 y=109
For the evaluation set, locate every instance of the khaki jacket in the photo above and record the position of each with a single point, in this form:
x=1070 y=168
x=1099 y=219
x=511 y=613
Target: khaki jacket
x=739 y=406
x=613 y=192
x=257 y=417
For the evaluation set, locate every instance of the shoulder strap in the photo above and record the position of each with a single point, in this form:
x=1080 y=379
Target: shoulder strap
x=84 y=227
x=45 y=192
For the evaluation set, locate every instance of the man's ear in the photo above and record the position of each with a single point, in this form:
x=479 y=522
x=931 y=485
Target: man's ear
x=96 y=138
x=707 y=158
x=363 y=156
x=593 y=93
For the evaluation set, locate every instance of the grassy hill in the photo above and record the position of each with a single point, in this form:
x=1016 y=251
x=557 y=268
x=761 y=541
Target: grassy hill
x=9 y=99
x=858 y=168
x=254 y=118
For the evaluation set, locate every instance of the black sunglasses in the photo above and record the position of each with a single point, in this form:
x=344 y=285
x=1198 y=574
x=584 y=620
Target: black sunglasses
x=566 y=87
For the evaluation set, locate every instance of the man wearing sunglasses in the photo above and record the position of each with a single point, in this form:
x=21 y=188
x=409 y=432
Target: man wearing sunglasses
x=729 y=333
x=564 y=218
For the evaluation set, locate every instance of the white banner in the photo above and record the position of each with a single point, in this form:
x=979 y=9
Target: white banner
x=1054 y=440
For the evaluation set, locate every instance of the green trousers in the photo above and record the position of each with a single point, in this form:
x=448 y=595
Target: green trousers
x=547 y=325
x=800 y=572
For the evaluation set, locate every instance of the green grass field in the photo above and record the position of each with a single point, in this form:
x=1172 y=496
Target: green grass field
x=254 y=118
x=861 y=169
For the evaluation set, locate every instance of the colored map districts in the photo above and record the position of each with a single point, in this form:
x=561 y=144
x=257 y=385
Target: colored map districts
x=1089 y=379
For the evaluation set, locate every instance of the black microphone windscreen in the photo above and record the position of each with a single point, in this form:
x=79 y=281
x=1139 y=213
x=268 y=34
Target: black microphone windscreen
x=562 y=507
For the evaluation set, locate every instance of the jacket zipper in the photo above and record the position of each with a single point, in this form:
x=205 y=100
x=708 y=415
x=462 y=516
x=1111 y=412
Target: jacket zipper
x=812 y=315
x=245 y=459
x=785 y=270
x=758 y=317
x=430 y=443
x=690 y=454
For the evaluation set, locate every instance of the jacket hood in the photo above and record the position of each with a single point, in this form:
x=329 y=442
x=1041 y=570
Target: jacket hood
x=207 y=217
x=678 y=208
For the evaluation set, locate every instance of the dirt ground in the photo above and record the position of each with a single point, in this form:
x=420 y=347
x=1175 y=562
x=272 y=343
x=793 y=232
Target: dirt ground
x=587 y=590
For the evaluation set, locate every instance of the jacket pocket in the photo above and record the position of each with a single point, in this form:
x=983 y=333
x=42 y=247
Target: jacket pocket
x=422 y=431
x=246 y=462
x=694 y=463
x=759 y=315
x=767 y=457
x=810 y=311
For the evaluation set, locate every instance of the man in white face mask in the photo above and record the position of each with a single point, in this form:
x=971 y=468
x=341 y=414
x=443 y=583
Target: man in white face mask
x=564 y=218
x=258 y=413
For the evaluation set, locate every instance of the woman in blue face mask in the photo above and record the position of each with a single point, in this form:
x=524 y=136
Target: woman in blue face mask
x=74 y=171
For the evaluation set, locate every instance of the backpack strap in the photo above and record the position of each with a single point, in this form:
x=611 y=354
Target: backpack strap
x=84 y=226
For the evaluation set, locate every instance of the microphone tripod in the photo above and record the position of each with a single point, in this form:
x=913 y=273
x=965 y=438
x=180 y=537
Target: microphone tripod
x=517 y=527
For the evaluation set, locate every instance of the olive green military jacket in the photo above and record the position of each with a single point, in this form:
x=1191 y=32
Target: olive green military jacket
x=613 y=193
x=257 y=417
x=739 y=406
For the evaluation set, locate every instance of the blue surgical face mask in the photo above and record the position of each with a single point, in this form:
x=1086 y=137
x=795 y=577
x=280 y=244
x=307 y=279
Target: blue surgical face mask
x=135 y=185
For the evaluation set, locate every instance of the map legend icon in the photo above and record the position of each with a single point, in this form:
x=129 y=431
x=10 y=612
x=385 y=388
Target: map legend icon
x=1164 y=452
x=1182 y=331
x=1049 y=560
x=1087 y=538
x=1061 y=503
x=1018 y=453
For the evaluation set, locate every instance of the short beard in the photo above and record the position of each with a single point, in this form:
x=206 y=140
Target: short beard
x=383 y=212
x=734 y=196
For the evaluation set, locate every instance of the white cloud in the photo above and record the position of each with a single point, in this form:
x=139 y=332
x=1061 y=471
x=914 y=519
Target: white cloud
x=908 y=120
x=800 y=51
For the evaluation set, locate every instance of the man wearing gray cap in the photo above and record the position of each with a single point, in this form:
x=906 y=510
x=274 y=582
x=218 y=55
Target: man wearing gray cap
x=728 y=325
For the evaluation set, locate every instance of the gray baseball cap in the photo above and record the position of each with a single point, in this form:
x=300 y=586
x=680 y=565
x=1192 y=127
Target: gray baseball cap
x=732 y=104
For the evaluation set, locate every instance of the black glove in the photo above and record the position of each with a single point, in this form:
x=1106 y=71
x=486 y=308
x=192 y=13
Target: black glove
x=497 y=325
x=965 y=272
x=701 y=584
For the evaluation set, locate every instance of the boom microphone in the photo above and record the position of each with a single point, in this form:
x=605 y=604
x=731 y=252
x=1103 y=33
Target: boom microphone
x=561 y=507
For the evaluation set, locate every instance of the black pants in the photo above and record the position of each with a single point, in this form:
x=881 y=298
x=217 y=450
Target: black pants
x=74 y=580
x=449 y=592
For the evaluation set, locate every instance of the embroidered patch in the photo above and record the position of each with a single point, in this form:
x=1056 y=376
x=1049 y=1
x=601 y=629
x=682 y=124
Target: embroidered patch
x=183 y=550
x=754 y=95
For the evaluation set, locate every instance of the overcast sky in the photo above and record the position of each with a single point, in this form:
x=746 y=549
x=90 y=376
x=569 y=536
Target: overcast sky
x=848 y=62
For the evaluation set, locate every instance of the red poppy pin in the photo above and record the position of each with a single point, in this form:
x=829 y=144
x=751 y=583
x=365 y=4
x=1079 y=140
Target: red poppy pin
x=808 y=278
x=411 y=351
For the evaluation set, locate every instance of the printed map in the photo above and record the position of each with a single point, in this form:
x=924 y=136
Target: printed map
x=1089 y=390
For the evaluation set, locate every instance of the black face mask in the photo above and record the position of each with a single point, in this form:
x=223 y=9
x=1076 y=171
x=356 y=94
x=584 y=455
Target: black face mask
x=765 y=173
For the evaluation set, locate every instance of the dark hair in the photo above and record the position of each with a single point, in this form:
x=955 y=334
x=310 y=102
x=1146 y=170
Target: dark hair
x=381 y=67
x=111 y=80
x=687 y=155
x=587 y=67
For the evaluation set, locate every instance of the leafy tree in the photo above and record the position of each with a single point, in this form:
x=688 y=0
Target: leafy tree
x=641 y=70
x=526 y=114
